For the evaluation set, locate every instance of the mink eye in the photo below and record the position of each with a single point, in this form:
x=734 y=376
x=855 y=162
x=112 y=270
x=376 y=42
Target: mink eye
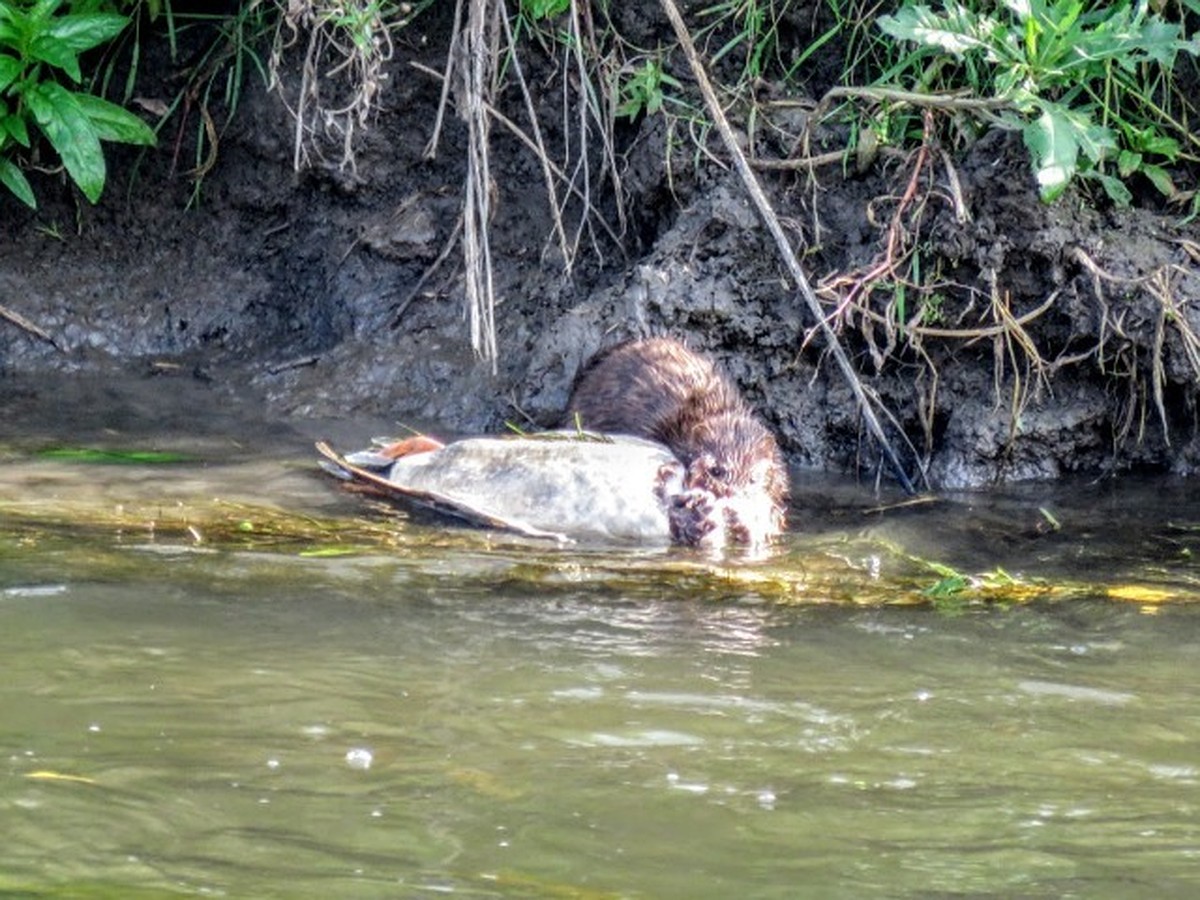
x=718 y=471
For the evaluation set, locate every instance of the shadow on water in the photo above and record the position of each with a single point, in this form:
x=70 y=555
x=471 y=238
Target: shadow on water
x=225 y=676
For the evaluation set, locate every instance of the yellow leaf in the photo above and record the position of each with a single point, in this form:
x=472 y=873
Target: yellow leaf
x=1135 y=593
x=42 y=775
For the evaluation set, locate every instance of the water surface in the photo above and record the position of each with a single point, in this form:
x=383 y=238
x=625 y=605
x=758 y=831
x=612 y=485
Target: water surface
x=457 y=713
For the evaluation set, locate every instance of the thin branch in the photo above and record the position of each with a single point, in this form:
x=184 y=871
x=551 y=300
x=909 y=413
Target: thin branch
x=540 y=145
x=25 y=325
x=477 y=201
x=451 y=57
x=929 y=101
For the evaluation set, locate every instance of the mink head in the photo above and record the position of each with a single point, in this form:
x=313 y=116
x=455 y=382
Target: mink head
x=735 y=484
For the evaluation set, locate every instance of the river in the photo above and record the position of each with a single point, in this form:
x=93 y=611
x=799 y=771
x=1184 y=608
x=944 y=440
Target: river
x=202 y=695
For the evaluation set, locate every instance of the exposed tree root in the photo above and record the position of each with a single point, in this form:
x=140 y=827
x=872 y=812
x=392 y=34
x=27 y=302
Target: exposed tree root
x=1170 y=310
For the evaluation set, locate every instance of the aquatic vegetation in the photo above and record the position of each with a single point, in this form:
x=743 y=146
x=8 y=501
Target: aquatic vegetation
x=836 y=570
x=114 y=457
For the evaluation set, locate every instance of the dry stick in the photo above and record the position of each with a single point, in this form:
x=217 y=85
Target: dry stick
x=596 y=100
x=773 y=225
x=477 y=209
x=399 y=309
x=929 y=101
x=970 y=335
x=307 y=78
x=887 y=266
x=584 y=165
x=811 y=163
x=25 y=325
x=602 y=102
x=451 y=56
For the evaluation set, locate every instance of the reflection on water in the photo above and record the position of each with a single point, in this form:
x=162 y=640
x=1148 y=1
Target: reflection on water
x=178 y=717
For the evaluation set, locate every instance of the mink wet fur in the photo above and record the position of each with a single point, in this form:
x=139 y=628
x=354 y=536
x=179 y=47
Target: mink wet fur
x=657 y=388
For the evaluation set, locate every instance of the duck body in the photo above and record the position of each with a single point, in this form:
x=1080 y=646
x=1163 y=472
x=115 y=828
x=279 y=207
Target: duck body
x=562 y=485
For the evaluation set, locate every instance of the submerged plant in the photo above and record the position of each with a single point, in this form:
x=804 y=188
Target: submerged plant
x=40 y=45
x=1075 y=78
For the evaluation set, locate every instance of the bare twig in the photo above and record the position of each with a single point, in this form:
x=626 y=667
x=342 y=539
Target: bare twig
x=969 y=335
x=804 y=162
x=357 y=48
x=785 y=249
x=25 y=325
x=477 y=200
x=929 y=101
x=398 y=310
x=1158 y=284
x=447 y=80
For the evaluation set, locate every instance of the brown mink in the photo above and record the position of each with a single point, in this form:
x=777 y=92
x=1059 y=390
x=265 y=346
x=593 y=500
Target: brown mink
x=736 y=481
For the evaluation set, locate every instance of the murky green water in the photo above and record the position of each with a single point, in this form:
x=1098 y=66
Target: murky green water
x=456 y=715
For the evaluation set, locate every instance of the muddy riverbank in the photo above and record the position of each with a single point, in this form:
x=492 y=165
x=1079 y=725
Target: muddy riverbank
x=1046 y=340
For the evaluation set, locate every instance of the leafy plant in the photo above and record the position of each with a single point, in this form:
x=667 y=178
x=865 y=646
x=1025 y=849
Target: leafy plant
x=39 y=44
x=1073 y=77
x=544 y=9
x=642 y=91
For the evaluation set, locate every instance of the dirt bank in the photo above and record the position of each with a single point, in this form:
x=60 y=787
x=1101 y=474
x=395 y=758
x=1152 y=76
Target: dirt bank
x=1045 y=340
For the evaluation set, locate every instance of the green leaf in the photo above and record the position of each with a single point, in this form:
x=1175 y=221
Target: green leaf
x=43 y=9
x=1063 y=18
x=10 y=70
x=958 y=32
x=544 y=9
x=9 y=36
x=58 y=55
x=1160 y=144
x=14 y=179
x=71 y=134
x=1051 y=141
x=9 y=33
x=14 y=127
x=947 y=587
x=1095 y=140
x=1161 y=179
x=83 y=32
x=114 y=123
x=1156 y=40
x=1128 y=162
x=1114 y=187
